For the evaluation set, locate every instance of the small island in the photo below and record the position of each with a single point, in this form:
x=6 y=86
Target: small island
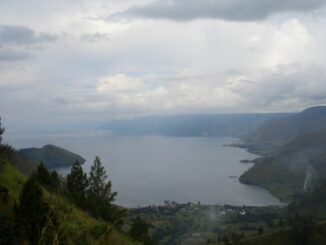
x=52 y=156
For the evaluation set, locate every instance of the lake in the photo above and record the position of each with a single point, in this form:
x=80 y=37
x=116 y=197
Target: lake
x=147 y=170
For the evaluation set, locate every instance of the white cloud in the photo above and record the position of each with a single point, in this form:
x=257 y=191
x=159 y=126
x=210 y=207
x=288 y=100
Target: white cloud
x=290 y=43
x=119 y=83
x=177 y=94
x=147 y=66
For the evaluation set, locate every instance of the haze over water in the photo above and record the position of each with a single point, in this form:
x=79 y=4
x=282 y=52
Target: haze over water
x=146 y=170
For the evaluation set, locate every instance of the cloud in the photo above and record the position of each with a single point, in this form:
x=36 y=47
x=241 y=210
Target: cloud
x=17 y=42
x=119 y=83
x=92 y=69
x=95 y=37
x=231 y=10
x=290 y=43
x=23 y=36
x=143 y=94
x=12 y=55
x=285 y=88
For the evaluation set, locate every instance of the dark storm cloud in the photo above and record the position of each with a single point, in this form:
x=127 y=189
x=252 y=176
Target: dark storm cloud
x=233 y=10
x=8 y=55
x=23 y=36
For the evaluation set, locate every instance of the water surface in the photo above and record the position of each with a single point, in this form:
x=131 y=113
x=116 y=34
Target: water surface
x=147 y=170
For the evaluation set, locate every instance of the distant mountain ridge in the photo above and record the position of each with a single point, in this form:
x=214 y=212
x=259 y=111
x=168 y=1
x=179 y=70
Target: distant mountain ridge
x=196 y=125
x=282 y=130
x=51 y=156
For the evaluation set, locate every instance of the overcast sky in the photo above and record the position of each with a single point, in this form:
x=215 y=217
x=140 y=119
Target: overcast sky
x=79 y=62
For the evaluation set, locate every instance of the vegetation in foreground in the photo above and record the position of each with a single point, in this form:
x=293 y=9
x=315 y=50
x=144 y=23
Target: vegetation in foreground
x=31 y=213
x=40 y=209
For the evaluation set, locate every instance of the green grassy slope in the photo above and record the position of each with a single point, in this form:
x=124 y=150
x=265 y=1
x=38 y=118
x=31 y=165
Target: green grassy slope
x=79 y=227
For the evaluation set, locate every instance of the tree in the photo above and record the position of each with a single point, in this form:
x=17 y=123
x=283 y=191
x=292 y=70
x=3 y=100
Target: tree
x=35 y=220
x=31 y=212
x=302 y=229
x=260 y=230
x=8 y=234
x=226 y=240
x=99 y=188
x=280 y=223
x=54 y=181
x=50 y=181
x=139 y=231
x=2 y=130
x=42 y=175
x=99 y=193
x=77 y=183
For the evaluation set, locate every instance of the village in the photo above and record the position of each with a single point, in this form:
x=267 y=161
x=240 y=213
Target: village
x=171 y=207
x=195 y=221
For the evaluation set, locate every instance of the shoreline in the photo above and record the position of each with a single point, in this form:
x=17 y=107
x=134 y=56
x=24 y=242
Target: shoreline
x=260 y=150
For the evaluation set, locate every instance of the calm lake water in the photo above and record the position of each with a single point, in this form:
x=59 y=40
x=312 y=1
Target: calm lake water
x=147 y=170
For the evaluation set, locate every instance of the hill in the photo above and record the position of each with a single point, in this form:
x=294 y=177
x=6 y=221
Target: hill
x=281 y=130
x=295 y=158
x=292 y=168
x=51 y=156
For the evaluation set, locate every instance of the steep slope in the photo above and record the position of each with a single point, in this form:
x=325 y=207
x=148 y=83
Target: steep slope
x=312 y=202
x=52 y=156
x=78 y=226
x=279 y=131
x=292 y=168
